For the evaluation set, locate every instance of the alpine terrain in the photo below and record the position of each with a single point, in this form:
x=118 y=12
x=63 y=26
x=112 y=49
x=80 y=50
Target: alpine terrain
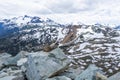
x=34 y=48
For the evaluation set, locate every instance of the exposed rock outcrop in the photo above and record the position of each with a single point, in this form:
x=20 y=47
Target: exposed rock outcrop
x=90 y=74
x=42 y=65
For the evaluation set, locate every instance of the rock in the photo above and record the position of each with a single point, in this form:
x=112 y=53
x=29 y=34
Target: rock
x=8 y=78
x=3 y=74
x=41 y=65
x=13 y=60
x=21 y=62
x=99 y=76
x=3 y=58
x=1 y=65
x=89 y=73
x=115 y=77
x=11 y=74
x=12 y=78
x=114 y=34
x=15 y=72
x=59 y=78
x=72 y=73
x=21 y=77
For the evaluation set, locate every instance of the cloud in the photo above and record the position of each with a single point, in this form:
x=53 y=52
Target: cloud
x=87 y=11
x=69 y=6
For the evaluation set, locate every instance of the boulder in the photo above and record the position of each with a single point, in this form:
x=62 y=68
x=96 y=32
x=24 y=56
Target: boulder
x=13 y=78
x=3 y=58
x=7 y=78
x=100 y=76
x=21 y=62
x=59 y=78
x=72 y=72
x=3 y=74
x=42 y=65
x=11 y=74
x=115 y=77
x=15 y=75
x=89 y=73
x=13 y=60
x=21 y=77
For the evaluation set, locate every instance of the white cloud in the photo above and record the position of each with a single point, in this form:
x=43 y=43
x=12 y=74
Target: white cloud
x=86 y=11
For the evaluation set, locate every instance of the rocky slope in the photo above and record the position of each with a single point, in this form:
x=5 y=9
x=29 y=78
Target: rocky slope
x=99 y=45
x=83 y=44
x=53 y=65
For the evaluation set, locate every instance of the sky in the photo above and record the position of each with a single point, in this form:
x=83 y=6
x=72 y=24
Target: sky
x=65 y=11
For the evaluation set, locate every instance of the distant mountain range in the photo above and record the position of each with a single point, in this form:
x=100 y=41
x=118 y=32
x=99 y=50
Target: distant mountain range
x=31 y=33
x=9 y=26
x=117 y=27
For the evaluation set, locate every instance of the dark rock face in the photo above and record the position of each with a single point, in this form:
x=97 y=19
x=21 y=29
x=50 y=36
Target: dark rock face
x=32 y=40
x=28 y=35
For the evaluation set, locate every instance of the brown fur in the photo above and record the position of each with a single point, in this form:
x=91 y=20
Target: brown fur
x=47 y=48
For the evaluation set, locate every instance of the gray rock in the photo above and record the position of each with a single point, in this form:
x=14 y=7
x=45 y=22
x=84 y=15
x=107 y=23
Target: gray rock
x=1 y=65
x=21 y=62
x=72 y=73
x=3 y=74
x=115 y=77
x=13 y=60
x=41 y=65
x=89 y=73
x=7 y=78
x=13 y=78
x=3 y=58
x=20 y=77
x=10 y=74
x=99 y=76
x=59 y=78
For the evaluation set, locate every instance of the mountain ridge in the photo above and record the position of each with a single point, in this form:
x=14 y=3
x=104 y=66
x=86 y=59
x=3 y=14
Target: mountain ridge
x=17 y=34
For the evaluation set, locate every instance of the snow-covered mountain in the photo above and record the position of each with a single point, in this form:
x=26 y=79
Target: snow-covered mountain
x=26 y=29
x=31 y=33
x=85 y=44
x=8 y=26
x=117 y=27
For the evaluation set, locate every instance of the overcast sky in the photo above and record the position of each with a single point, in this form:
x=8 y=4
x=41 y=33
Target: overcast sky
x=85 y=11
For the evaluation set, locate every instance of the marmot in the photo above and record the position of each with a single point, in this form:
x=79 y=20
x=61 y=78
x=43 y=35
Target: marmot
x=48 y=48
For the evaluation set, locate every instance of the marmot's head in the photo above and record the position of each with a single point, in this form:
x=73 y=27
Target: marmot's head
x=47 y=48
